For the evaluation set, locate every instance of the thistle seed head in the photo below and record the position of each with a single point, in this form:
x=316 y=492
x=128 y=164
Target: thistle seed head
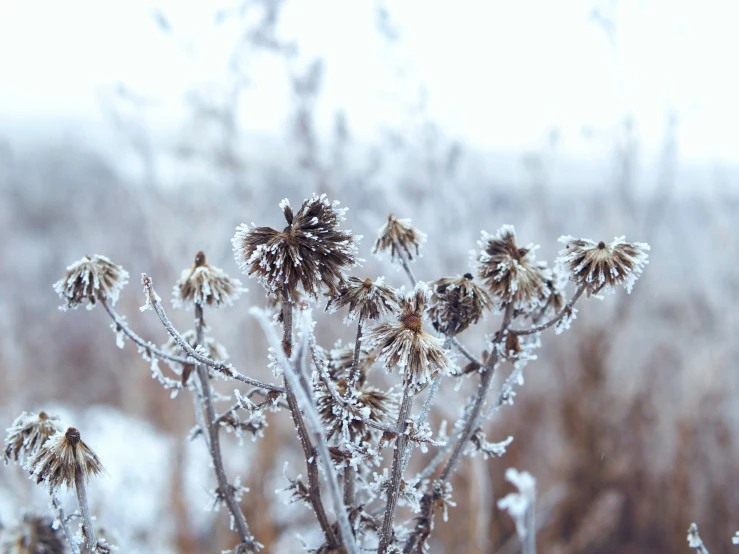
x=365 y=299
x=405 y=345
x=205 y=285
x=60 y=457
x=457 y=303
x=375 y=404
x=91 y=279
x=599 y=265
x=396 y=236
x=27 y=435
x=509 y=272
x=311 y=251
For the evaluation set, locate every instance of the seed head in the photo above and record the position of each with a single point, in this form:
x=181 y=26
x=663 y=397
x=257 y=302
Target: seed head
x=92 y=279
x=370 y=401
x=405 y=345
x=60 y=456
x=28 y=434
x=365 y=299
x=600 y=265
x=214 y=350
x=205 y=285
x=510 y=273
x=398 y=235
x=33 y=535
x=341 y=360
x=311 y=251
x=457 y=303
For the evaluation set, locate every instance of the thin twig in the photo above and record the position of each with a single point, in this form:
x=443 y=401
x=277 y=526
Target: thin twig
x=405 y=264
x=65 y=525
x=226 y=369
x=354 y=372
x=466 y=353
x=87 y=527
x=396 y=476
x=555 y=319
x=302 y=398
x=215 y=443
x=421 y=418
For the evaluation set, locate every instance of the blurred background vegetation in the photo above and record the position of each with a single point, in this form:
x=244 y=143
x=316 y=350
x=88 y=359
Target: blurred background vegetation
x=629 y=421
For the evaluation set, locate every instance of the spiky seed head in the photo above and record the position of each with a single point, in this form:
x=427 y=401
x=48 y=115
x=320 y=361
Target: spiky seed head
x=311 y=251
x=27 y=434
x=599 y=266
x=205 y=285
x=341 y=359
x=213 y=349
x=457 y=303
x=366 y=299
x=510 y=272
x=91 y=279
x=403 y=343
x=35 y=534
x=60 y=457
x=375 y=404
x=400 y=238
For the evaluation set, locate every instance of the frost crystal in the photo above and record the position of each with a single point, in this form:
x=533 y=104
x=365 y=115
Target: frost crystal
x=518 y=505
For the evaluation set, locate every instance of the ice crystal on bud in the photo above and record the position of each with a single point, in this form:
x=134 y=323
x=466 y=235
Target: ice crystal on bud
x=403 y=343
x=401 y=238
x=205 y=285
x=33 y=535
x=510 y=272
x=60 y=457
x=311 y=251
x=519 y=504
x=599 y=266
x=27 y=435
x=457 y=303
x=91 y=279
x=366 y=299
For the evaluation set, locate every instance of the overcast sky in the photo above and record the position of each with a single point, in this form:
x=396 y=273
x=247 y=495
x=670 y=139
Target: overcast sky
x=499 y=74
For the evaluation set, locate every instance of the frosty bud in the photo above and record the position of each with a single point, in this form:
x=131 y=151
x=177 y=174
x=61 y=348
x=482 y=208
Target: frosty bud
x=91 y=279
x=27 y=434
x=205 y=285
x=400 y=238
x=61 y=456
x=457 y=303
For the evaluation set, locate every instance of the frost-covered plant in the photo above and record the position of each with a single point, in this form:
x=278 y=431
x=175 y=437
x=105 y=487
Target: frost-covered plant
x=358 y=435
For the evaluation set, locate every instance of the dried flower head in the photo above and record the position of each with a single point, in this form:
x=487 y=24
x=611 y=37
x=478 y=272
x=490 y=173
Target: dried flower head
x=511 y=273
x=371 y=402
x=205 y=285
x=28 y=434
x=92 y=279
x=214 y=350
x=405 y=345
x=311 y=251
x=365 y=299
x=399 y=237
x=457 y=303
x=61 y=456
x=33 y=535
x=599 y=265
x=341 y=360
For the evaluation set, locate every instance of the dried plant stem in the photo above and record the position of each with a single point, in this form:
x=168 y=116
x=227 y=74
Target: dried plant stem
x=405 y=264
x=463 y=349
x=299 y=396
x=214 y=442
x=354 y=372
x=396 y=476
x=424 y=521
x=555 y=319
x=314 y=488
x=226 y=369
x=421 y=419
x=79 y=485
x=65 y=525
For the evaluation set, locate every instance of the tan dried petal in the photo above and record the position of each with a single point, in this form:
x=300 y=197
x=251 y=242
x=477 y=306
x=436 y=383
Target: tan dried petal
x=510 y=273
x=403 y=344
x=457 y=303
x=205 y=285
x=365 y=299
x=91 y=279
x=311 y=251
x=27 y=435
x=599 y=265
x=396 y=236
x=59 y=458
